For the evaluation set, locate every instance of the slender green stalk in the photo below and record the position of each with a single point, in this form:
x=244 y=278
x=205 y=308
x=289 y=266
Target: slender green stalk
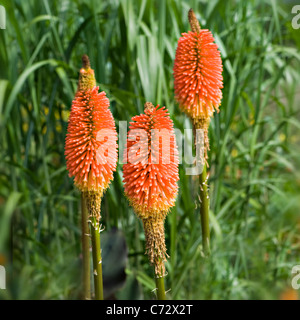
x=160 y=286
x=97 y=260
x=86 y=278
x=202 y=144
x=204 y=211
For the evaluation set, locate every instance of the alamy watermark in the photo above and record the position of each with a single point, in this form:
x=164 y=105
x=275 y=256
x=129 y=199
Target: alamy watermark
x=2 y=278
x=2 y=17
x=296 y=279
x=157 y=147
x=296 y=18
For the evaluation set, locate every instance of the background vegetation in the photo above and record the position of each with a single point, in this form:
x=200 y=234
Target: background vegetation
x=254 y=171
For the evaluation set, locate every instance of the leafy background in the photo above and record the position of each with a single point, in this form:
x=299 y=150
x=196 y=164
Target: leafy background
x=254 y=157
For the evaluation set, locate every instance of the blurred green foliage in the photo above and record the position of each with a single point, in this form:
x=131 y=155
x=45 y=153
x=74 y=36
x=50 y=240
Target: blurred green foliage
x=254 y=156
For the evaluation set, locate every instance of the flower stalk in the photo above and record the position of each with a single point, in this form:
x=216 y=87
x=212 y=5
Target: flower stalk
x=203 y=147
x=85 y=238
x=204 y=211
x=150 y=180
x=197 y=84
x=91 y=157
x=160 y=288
x=97 y=259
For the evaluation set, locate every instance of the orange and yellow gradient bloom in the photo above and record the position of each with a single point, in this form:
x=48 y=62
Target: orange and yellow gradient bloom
x=91 y=141
x=198 y=72
x=151 y=175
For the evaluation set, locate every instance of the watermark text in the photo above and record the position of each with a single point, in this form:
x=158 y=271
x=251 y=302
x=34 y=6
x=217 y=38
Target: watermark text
x=2 y=17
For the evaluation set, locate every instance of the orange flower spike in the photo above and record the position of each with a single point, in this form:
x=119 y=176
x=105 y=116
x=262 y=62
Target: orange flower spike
x=89 y=115
x=198 y=72
x=151 y=175
x=198 y=76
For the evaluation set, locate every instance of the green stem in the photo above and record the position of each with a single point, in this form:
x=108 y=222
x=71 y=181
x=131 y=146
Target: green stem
x=160 y=285
x=97 y=260
x=85 y=237
x=204 y=195
x=204 y=211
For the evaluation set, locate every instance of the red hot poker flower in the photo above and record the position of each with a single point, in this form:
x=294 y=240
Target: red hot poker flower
x=90 y=114
x=91 y=141
x=151 y=175
x=198 y=72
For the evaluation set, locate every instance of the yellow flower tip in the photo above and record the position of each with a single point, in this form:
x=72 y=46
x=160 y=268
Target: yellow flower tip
x=87 y=78
x=148 y=106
